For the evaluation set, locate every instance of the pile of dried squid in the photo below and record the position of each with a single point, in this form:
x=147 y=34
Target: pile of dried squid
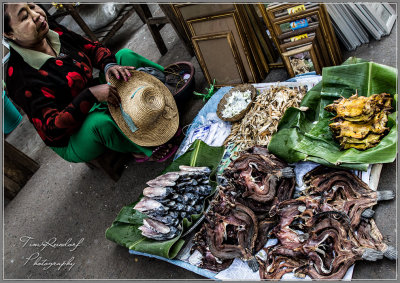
x=261 y=122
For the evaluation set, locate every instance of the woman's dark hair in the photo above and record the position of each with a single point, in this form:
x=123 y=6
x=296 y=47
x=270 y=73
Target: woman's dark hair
x=7 y=27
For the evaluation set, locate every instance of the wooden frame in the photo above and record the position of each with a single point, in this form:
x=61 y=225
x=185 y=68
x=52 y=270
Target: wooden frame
x=255 y=48
x=327 y=38
x=310 y=49
x=307 y=30
x=321 y=49
x=269 y=50
x=285 y=47
x=177 y=25
x=292 y=18
x=305 y=42
x=178 y=15
x=215 y=10
x=333 y=51
x=196 y=40
x=263 y=10
x=271 y=11
x=260 y=61
x=245 y=54
x=376 y=10
x=285 y=7
x=332 y=35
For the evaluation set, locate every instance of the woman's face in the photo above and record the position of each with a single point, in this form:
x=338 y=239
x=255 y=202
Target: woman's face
x=28 y=23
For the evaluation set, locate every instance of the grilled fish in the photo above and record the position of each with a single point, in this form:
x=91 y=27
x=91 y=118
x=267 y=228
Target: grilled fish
x=360 y=108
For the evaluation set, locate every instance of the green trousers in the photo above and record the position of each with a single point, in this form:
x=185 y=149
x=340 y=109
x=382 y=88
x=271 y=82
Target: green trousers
x=99 y=131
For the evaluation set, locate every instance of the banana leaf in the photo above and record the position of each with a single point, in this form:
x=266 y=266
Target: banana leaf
x=305 y=135
x=124 y=230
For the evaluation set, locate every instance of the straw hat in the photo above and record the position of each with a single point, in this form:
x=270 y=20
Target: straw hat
x=150 y=105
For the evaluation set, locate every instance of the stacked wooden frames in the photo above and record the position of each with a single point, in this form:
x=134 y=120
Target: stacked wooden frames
x=318 y=32
x=228 y=40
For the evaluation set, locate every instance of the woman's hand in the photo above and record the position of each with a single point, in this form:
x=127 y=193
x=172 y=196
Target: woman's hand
x=106 y=92
x=119 y=72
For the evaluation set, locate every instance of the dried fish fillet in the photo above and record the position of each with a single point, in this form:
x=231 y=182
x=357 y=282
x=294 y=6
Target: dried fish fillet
x=170 y=198
x=261 y=122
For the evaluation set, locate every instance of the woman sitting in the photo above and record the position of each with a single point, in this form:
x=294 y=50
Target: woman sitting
x=49 y=76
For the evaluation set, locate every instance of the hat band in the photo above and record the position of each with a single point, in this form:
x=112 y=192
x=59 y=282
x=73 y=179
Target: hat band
x=139 y=88
x=128 y=120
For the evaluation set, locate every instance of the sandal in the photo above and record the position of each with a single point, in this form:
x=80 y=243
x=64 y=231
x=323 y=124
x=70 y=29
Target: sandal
x=141 y=159
x=171 y=152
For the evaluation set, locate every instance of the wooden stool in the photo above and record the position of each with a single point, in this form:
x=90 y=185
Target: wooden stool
x=18 y=169
x=111 y=162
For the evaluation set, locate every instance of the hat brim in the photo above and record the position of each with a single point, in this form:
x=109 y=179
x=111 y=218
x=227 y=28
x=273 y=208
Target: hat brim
x=163 y=129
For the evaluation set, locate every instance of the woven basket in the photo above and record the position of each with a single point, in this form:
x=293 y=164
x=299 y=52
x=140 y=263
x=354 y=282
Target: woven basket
x=223 y=102
x=180 y=89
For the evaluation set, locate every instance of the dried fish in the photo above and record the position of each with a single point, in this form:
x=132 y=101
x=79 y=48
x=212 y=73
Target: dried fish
x=261 y=122
x=161 y=183
x=195 y=169
x=157 y=192
x=169 y=219
x=156 y=230
x=150 y=206
x=172 y=197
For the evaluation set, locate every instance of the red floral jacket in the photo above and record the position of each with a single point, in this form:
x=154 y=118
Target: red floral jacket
x=56 y=97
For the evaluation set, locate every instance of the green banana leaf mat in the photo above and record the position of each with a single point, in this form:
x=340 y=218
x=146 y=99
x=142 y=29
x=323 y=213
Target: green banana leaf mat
x=124 y=230
x=305 y=135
